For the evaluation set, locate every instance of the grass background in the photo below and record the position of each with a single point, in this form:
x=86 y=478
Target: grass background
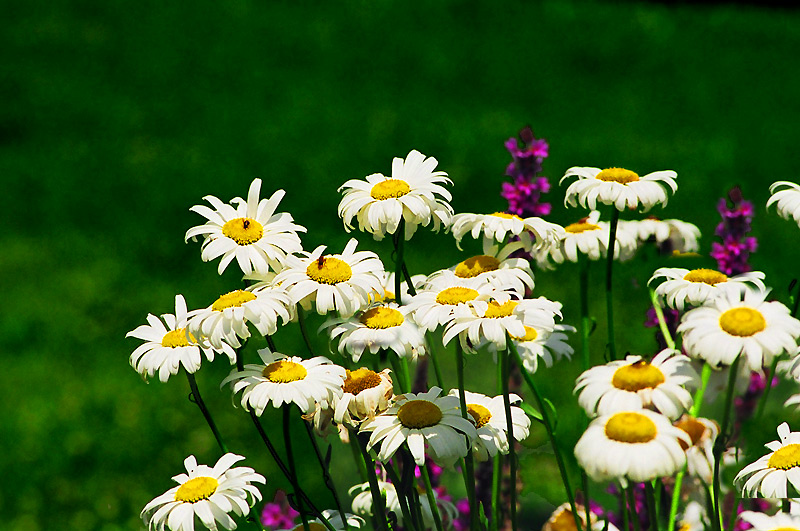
x=116 y=117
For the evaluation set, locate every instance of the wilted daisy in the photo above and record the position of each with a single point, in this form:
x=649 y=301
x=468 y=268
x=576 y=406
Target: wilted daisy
x=343 y=282
x=777 y=474
x=334 y=519
x=697 y=286
x=739 y=322
x=419 y=420
x=249 y=231
x=413 y=193
x=489 y=416
x=562 y=520
x=287 y=379
x=549 y=345
x=787 y=199
x=167 y=348
x=634 y=383
x=776 y=522
x=631 y=445
x=499 y=226
x=225 y=321
x=700 y=454
x=588 y=237
x=379 y=327
x=674 y=234
x=619 y=187
x=206 y=495
x=365 y=393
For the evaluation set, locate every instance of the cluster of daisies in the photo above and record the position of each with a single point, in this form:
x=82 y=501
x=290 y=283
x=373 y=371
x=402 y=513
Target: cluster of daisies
x=644 y=422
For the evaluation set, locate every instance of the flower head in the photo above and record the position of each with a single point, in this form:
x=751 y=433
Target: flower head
x=489 y=416
x=366 y=393
x=619 y=187
x=772 y=475
x=697 y=286
x=786 y=196
x=500 y=225
x=541 y=343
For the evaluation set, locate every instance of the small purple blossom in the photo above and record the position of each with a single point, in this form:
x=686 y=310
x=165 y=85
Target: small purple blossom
x=461 y=523
x=734 y=251
x=278 y=514
x=524 y=193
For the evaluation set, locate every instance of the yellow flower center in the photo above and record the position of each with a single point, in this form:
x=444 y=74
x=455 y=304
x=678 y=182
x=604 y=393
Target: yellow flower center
x=472 y=267
x=312 y=526
x=785 y=458
x=617 y=175
x=381 y=317
x=707 y=276
x=329 y=270
x=177 y=338
x=577 y=228
x=361 y=380
x=630 y=427
x=196 y=489
x=530 y=335
x=495 y=311
x=505 y=215
x=479 y=414
x=563 y=521
x=284 y=371
x=693 y=427
x=234 y=299
x=637 y=376
x=418 y=414
x=243 y=231
x=785 y=529
x=390 y=189
x=456 y=295
x=742 y=322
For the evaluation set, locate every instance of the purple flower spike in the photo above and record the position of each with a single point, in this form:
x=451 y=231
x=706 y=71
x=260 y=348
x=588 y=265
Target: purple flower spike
x=524 y=194
x=733 y=253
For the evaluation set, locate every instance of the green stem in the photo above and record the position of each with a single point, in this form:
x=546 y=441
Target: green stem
x=612 y=241
x=398 y=240
x=197 y=399
x=401 y=372
x=705 y=375
x=301 y=319
x=402 y=497
x=436 y=370
x=785 y=505
x=662 y=323
x=652 y=507
x=721 y=442
x=550 y=434
x=494 y=524
x=762 y=404
x=469 y=477
x=625 y=525
x=637 y=526
x=326 y=476
x=287 y=441
x=586 y=505
x=734 y=511
x=505 y=359
x=426 y=477
x=378 y=504
x=585 y=321
x=676 y=496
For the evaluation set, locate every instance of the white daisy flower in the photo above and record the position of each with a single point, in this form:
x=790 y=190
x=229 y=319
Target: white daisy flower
x=379 y=327
x=787 y=199
x=631 y=445
x=362 y=504
x=697 y=286
x=496 y=267
x=413 y=193
x=739 y=322
x=489 y=416
x=343 y=282
x=366 y=393
x=700 y=455
x=417 y=281
x=335 y=520
x=777 y=474
x=169 y=347
x=225 y=321
x=562 y=519
x=501 y=319
x=694 y=517
x=680 y=236
x=619 y=187
x=776 y=522
x=206 y=495
x=249 y=231
x=287 y=379
x=499 y=226
x=549 y=345
x=417 y=419
x=588 y=237
x=635 y=383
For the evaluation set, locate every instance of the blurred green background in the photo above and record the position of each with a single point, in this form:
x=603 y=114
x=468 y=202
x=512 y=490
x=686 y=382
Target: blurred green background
x=116 y=117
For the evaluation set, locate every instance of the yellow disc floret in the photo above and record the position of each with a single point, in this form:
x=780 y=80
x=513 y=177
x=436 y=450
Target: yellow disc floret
x=234 y=299
x=742 y=322
x=496 y=311
x=637 y=376
x=456 y=295
x=530 y=335
x=284 y=371
x=196 y=489
x=390 y=189
x=479 y=414
x=693 y=427
x=505 y=215
x=785 y=458
x=706 y=276
x=329 y=270
x=361 y=380
x=177 y=338
x=243 y=231
x=418 y=414
x=617 y=175
x=629 y=427
x=381 y=317
x=474 y=266
x=577 y=228
x=312 y=526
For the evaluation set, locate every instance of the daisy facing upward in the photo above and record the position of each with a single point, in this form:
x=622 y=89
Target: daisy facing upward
x=684 y=287
x=622 y=188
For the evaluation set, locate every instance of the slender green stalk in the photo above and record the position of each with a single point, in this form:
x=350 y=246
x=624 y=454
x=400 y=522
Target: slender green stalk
x=271 y=344
x=469 y=477
x=585 y=320
x=652 y=506
x=197 y=399
x=398 y=240
x=767 y=389
x=505 y=359
x=377 y=496
x=637 y=526
x=676 y=496
x=301 y=319
x=436 y=370
x=550 y=434
x=326 y=476
x=612 y=241
x=586 y=508
x=734 y=511
x=705 y=375
x=402 y=497
x=662 y=323
x=625 y=525
x=785 y=505
x=721 y=442
x=402 y=375
x=287 y=441
x=426 y=477
x=494 y=523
